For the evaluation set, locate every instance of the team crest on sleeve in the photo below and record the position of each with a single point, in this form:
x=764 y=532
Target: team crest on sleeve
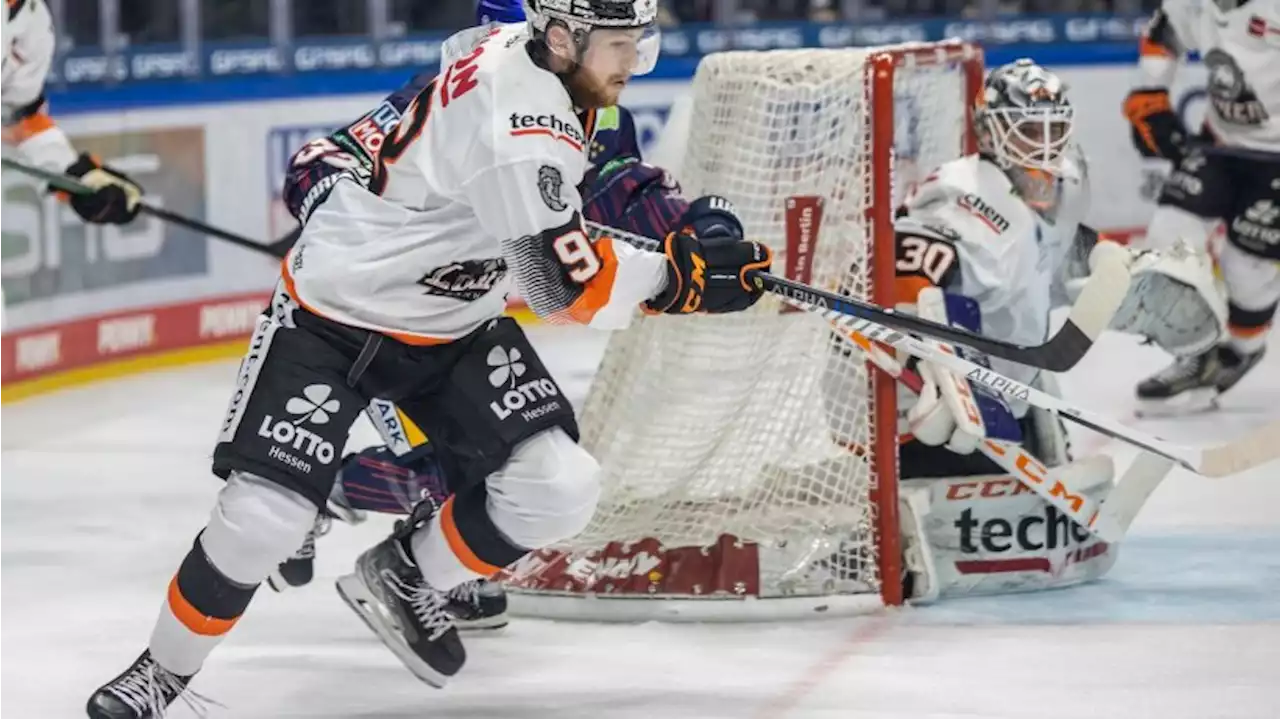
x=550 y=185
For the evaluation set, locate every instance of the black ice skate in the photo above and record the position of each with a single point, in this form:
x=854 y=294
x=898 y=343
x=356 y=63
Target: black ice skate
x=410 y=616
x=143 y=691
x=298 y=570
x=1193 y=384
x=478 y=604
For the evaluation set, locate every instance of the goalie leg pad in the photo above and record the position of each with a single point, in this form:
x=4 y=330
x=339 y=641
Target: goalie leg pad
x=991 y=534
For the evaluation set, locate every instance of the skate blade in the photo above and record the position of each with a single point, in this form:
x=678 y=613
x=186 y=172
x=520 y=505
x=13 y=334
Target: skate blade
x=357 y=596
x=484 y=624
x=1196 y=401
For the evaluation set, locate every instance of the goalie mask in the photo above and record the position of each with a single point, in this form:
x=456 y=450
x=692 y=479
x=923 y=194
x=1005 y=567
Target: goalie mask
x=1023 y=119
x=609 y=38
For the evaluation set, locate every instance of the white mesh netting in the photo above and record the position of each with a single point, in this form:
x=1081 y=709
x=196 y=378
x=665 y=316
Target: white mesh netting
x=758 y=425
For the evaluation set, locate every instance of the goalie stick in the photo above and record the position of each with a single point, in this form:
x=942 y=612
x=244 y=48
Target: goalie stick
x=1256 y=449
x=1090 y=315
x=1108 y=518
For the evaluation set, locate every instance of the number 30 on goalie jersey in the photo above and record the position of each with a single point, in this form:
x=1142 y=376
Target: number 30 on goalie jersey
x=924 y=256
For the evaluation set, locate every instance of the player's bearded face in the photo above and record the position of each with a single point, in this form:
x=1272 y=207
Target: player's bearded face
x=610 y=58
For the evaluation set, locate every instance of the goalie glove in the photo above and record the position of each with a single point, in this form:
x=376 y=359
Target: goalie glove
x=115 y=196
x=948 y=411
x=1157 y=129
x=1173 y=299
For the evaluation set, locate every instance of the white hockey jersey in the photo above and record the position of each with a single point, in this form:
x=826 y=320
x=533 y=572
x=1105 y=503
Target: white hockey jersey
x=967 y=230
x=1241 y=50
x=28 y=53
x=420 y=216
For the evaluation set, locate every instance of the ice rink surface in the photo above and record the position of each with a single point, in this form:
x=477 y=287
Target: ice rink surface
x=105 y=487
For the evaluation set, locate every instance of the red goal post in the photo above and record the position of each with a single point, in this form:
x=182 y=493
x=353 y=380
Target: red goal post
x=750 y=461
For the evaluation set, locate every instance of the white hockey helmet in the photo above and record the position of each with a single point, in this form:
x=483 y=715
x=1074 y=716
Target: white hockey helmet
x=1023 y=118
x=582 y=17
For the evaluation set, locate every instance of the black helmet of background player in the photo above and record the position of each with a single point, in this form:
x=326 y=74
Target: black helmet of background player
x=1023 y=123
x=594 y=45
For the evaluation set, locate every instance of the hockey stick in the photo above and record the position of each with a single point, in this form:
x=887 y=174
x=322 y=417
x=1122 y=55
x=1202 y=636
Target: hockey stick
x=1237 y=456
x=1107 y=518
x=1097 y=303
x=66 y=183
x=1012 y=458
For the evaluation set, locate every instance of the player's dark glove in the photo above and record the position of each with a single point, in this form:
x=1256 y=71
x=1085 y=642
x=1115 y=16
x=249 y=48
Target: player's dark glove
x=1157 y=129
x=114 y=199
x=709 y=276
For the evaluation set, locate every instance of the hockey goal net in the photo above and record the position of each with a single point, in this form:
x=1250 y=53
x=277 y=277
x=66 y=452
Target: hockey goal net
x=752 y=457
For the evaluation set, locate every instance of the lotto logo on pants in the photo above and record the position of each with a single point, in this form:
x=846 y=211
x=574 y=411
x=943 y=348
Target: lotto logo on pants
x=292 y=406
x=313 y=407
x=532 y=399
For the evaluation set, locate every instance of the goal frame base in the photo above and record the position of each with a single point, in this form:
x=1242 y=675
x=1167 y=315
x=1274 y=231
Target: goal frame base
x=617 y=609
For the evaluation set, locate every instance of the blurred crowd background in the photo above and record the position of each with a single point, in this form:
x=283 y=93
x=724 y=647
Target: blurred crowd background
x=120 y=23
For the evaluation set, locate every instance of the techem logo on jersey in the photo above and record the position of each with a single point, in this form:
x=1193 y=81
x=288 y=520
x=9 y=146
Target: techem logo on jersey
x=548 y=126
x=980 y=209
x=314 y=407
x=532 y=399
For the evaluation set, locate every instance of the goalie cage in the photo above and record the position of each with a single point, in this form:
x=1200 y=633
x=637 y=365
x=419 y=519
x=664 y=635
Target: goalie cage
x=750 y=460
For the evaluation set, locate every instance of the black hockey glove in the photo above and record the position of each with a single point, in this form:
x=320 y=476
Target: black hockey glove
x=1157 y=129
x=114 y=199
x=709 y=277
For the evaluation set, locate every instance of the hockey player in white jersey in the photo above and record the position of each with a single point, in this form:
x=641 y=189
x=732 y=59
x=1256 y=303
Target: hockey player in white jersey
x=993 y=241
x=28 y=54
x=470 y=175
x=1227 y=172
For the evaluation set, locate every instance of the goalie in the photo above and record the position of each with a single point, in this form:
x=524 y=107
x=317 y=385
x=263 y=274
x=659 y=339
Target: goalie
x=993 y=242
